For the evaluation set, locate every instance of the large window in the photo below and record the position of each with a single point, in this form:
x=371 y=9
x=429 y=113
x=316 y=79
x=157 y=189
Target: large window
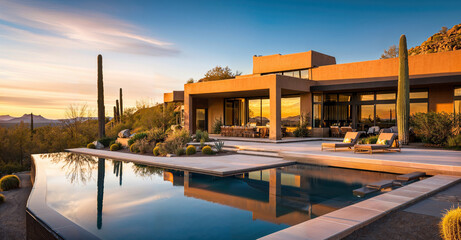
x=366 y=115
x=418 y=107
x=291 y=110
x=457 y=100
x=234 y=112
x=258 y=111
x=302 y=73
x=385 y=115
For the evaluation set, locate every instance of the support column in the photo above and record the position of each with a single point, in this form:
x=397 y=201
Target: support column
x=188 y=112
x=186 y=179
x=306 y=105
x=275 y=95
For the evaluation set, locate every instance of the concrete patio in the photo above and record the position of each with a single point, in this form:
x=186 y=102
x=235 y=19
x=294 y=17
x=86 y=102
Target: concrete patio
x=431 y=161
x=222 y=166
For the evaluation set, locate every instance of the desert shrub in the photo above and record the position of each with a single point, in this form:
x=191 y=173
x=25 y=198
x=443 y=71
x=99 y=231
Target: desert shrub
x=2 y=198
x=113 y=142
x=190 y=150
x=113 y=131
x=143 y=145
x=156 y=151
x=217 y=124
x=91 y=146
x=202 y=143
x=134 y=148
x=9 y=182
x=219 y=145
x=199 y=135
x=10 y=168
x=434 y=127
x=180 y=151
x=450 y=226
x=106 y=141
x=369 y=140
x=114 y=147
x=207 y=150
x=454 y=142
x=136 y=137
x=156 y=134
x=302 y=127
x=175 y=140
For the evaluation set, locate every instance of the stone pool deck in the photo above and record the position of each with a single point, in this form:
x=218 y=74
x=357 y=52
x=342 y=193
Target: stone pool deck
x=431 y=161
x=225 y=165
x=342 y=222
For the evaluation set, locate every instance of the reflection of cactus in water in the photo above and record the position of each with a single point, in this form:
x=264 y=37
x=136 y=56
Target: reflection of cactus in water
x=101 y=173
x=118 y=170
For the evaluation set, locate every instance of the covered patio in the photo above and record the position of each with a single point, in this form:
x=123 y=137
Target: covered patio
x=235 y=102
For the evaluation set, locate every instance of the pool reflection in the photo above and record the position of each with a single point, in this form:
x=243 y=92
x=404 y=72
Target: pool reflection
x=129 y=200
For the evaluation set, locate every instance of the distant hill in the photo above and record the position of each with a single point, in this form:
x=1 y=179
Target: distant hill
x=443 y=41
x=8 y=121
x=5 y=117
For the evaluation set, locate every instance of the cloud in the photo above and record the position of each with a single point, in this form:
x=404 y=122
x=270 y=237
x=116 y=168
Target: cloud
x=91 y=30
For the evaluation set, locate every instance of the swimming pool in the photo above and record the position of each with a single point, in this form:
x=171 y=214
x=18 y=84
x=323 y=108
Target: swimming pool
x=112 y=199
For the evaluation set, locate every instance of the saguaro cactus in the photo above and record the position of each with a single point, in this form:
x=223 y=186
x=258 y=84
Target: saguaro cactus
x=118 y=110
x=31 y=126
x=403 y=93
x=101 y=111
x=115 y=115
x=121 y=104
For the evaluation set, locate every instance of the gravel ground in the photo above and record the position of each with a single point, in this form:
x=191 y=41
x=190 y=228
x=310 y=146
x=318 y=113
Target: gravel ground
x=400 y=225
x=13 y=210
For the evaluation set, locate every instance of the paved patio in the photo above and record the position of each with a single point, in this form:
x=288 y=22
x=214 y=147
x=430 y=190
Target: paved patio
x=432 y=161
x=225 y=165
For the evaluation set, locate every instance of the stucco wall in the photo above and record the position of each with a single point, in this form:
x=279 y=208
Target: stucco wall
x=278 y=62
x=434 y=63
x=215 y=111
x=441 y=98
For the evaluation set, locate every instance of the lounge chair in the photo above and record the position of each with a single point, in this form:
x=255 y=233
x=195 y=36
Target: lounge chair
x=386 y=143
x=349 y=141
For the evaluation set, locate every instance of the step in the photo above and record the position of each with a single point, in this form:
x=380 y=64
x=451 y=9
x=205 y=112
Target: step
x=381 y=184
x=266 y=154
x=411 y=176
x=363 y=191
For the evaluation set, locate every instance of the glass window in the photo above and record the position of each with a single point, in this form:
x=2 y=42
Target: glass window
x=265 y=111
x=457 y=104
x=317 y=97
x=317 y=114
x=385 y=96
x=418 y=107
x=234 y=112
x=458 y=92
x=201 y=119
x=228 y=112
x=291 y=74
x=385 y=115
x=331 y=98
x=366 y=97
x=305 y=74
x=344 y=97
x=296 y=74
x=366 y=114
x=254 y=111
x=291 y=110
x=279 y=73
x=416 y=95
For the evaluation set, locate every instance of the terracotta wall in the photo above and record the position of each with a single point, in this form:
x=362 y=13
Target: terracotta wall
x=441 y=98
x=278 y=62
x=445 y=62
x=215 y=111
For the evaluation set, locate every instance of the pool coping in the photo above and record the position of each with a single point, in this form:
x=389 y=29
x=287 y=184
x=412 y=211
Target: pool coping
x=40 y=217
x=172 y=163
x=344 y=221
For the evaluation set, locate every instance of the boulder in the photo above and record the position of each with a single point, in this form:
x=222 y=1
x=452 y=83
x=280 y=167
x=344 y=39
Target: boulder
x=98 y=145
x=124 y=133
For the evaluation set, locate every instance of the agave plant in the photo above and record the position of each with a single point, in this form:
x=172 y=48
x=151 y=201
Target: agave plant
x=219 y=145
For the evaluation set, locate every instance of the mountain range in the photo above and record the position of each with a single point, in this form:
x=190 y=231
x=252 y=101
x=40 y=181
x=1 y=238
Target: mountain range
x=26 y=119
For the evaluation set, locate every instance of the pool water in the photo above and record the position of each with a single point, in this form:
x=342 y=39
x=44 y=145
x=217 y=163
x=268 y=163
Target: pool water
x=122 y=200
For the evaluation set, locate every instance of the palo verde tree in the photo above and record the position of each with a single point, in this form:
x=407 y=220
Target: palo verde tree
x=101 y=111
x=403 y=93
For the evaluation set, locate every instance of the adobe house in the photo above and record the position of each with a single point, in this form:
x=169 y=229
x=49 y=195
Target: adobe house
x=284 y=87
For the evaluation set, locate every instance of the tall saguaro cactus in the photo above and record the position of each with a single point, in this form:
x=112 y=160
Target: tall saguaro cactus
x=121 y=104
x=101 y=111
x=403 y=93
x=31 y=126
x=115 y=115
x=118 y=110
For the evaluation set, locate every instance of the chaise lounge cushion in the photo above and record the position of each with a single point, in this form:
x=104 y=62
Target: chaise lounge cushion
x=387 y=138
x=353 y=136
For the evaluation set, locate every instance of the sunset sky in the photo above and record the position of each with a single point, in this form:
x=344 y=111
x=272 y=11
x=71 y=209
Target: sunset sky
x=48 y=48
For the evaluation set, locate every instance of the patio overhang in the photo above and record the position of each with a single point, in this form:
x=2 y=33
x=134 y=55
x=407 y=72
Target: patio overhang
x=174 y=96
x=272 y=86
